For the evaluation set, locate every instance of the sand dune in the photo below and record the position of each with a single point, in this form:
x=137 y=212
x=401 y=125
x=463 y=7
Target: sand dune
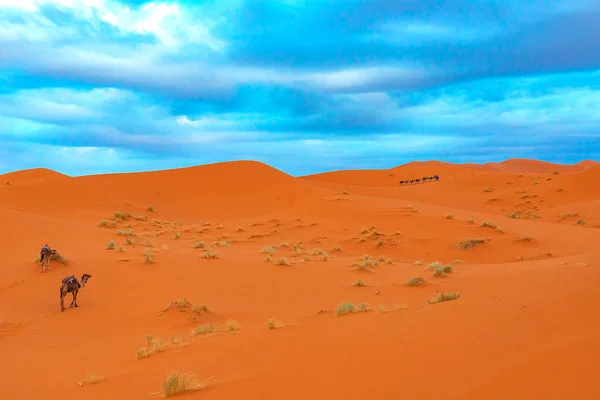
x=192 y=267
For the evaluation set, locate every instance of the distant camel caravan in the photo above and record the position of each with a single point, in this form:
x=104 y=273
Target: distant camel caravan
x=70 y=284
x=420 y=180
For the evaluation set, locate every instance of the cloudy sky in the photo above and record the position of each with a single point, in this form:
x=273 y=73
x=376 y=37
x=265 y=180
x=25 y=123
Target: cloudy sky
x=94 y=86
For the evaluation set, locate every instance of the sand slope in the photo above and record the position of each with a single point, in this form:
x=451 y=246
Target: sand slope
x=524 y=326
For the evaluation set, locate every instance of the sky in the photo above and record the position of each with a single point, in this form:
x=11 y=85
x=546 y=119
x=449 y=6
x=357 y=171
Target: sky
x=99 y=86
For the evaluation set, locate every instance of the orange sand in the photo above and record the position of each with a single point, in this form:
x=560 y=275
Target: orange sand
x=526 y=325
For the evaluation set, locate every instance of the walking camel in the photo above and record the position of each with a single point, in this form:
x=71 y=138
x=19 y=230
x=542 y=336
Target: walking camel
x=70 y=284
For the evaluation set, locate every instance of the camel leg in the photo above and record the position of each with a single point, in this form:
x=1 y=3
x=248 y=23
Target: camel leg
x=62 y=303
x=74 y=302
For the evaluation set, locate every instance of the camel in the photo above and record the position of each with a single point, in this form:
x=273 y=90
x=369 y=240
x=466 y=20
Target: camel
x=70 y=284
x=45 y=254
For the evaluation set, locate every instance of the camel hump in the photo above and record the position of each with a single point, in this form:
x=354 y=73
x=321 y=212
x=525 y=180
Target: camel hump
x=69 y=279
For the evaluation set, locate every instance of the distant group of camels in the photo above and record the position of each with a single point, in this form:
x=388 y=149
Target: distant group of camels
x=421 y=180
x=69 y=284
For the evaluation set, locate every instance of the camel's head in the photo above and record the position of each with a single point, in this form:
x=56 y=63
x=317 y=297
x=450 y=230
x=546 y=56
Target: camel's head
x=84 y=279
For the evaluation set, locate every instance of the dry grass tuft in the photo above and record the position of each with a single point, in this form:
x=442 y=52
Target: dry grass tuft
x=209 y=254
x=487 y=224
x=223 y=243
x=178 y=383
x=199 y=245
x=110 y=245
x=416 y=281
x=284 y=262
x=360 y=283
x=337 y=249
x=449 y=216
x=104 y=223
x=148 y=257
x=273 y=324
x=204 y=329
x=127 y=232
x=470 y=243
x=231 y=326
x=444 y=296
x=90 y=378
x=525 y=238
x=351 y=307
x=154 y=345
x=581 y=222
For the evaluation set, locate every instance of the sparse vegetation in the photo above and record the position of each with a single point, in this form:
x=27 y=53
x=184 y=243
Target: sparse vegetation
x=525 y=238
x=488 y=190
x=487 y=224
x=148 y=257
x=198 y=245
x=223 y=243
x=104 y=223
x=90 y=378
x=337 y=249
x=444 y=296
x=204 y=329
x=351 y=307
x=150 y=209
x=154 y=345
x=581 y=222
x=110 y=245
x=283 y=262
x=231 y=326
x=273 y=324
x=470 y=243
x=127 y=232
x=270 y=250
x=359 y=283
x=513 y=215
x=449 y=216
x=416 y=281
x=209 y=254
x=121 y=216
x=179 y=383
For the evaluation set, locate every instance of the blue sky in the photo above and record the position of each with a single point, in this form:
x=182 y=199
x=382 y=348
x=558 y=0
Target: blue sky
x=95 y=86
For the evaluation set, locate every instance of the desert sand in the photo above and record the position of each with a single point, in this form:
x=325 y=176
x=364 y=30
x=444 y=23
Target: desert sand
x=261 y=319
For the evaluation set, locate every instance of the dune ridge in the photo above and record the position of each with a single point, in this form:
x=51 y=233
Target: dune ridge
x=333 y=285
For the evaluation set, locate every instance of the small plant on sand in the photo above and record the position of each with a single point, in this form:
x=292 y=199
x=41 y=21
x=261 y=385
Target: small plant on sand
x=150 y=209
x=8 y=183
x=444 y=296
x=121 y=216
x=283 y=262
x=176 y=236
x=525 y=238
x=337 y=249
x=307 y=258
x=416 y=281
x=449 y=216
x=359 y=283
x=270 y=250
x=209 y=254
x=486 y=224
x=513 y=215
x=110 y=245
x=148 y=257
x=179 y=383
x=104 y=223
x=273 y=324
x=120 y=249
x=488 y=190
x=90 y=378
x=198 y=245
x=223 y=243
x=317 y=252
x=154 y=345
x=231 y=326
x=204 y=329
x=127 y=232
x=129 y=242
x=239 y=230
x=351 y=307
x=581 y=222
x=470 y=243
